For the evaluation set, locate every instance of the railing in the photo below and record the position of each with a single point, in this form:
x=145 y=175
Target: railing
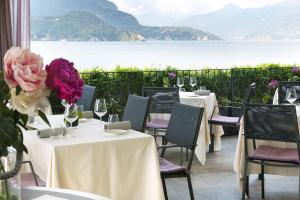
x=228 y=84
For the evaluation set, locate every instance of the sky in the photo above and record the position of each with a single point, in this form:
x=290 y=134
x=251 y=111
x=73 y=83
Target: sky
x=168 y=12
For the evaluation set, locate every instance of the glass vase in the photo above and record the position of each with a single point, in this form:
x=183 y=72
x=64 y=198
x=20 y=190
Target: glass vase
x=10 y=188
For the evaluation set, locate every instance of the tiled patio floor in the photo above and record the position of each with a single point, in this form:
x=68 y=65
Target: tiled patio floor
x=216 y=180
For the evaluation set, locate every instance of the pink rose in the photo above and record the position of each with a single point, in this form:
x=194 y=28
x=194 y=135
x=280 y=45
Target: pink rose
x=24 y=68
x=64 y=79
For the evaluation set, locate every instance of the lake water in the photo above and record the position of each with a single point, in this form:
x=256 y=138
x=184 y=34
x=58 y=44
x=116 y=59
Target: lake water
x=183 y=55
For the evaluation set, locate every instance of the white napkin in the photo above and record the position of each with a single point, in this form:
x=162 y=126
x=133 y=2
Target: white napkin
x=43 y=133
x=125 y=125
x=202 y=92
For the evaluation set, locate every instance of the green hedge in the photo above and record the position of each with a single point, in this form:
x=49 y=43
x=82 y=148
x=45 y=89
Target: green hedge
x=228 y=84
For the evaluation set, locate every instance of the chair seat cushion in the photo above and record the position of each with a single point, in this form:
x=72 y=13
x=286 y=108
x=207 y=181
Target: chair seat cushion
x=271 y=153
x=168 y=167
x=158 y=123
x=28 y=180
x=224 y=120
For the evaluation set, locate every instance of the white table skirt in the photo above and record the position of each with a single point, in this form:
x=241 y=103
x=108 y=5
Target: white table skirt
x=121 y=167
x=208 y=102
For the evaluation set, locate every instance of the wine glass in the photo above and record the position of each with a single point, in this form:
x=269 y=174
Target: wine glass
x=100 y=108
x=291 y=95
x=64 y=102
x=180 y=82
x=193 y=82
x=71 y=114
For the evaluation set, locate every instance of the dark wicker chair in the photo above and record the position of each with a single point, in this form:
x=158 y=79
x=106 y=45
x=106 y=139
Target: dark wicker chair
x=272 y=123
x=136 y=112
x=182 y=132
x=228 y=120
x=282 y=87
x=162 y=100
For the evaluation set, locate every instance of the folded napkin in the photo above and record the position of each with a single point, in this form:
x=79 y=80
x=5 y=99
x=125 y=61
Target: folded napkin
x=202 y=92
x=44 y=133
x=125 y=125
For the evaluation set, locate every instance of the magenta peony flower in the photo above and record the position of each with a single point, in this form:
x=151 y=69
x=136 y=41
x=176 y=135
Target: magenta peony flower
x=64 y=79
x=295 y=70
x=273 y=83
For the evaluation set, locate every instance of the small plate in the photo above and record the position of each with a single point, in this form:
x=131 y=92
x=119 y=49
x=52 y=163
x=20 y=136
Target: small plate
x=116 y=131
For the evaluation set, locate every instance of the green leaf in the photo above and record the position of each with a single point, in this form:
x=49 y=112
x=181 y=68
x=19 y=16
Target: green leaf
x=44 y=117
x=18 y=90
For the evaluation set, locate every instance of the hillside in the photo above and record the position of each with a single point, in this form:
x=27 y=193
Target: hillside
x=90 y=20
x=276 y=22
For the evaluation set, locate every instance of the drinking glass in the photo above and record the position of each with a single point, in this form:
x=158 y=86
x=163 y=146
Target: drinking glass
x=113 y=118
x=71 y=114
x=291 y=95
x=100 y=108
x=80 y=111
x=180 y=81
x=202 y=88
x=193 y=82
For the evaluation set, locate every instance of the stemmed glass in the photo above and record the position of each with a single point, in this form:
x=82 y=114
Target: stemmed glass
x=64 y=102
x=291 y=95
x=100 y=108
x=71 y=114
x=193 y=82
x=180 y=82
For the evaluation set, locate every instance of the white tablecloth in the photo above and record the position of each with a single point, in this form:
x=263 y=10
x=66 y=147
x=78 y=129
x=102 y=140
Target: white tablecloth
x=208 y=102
x=254 y=168
x=121 y=167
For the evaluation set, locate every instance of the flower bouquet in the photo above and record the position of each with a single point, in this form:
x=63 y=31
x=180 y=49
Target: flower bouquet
x=272 y=85
x=24 y=90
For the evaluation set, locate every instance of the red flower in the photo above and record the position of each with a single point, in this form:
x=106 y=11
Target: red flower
x=64 y=79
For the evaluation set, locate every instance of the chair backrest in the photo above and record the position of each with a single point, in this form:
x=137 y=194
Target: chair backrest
x=250 y=92
x=136 y=112
x=271 y=122
x=282 y=87
x=162 y=99
x=87 y=98
x=183 y=127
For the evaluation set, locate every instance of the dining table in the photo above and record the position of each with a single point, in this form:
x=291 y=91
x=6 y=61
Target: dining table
x=209 y=103
x=120 y=165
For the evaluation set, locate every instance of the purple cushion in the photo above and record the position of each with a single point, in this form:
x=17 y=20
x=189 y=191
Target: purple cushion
x=275 y=153
x=27 y=180
x=158 y=123
x=225 y=119
x=168 y=167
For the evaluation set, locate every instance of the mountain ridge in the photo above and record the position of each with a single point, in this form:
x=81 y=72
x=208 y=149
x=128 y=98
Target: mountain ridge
x=122 y=25
x=273 y=22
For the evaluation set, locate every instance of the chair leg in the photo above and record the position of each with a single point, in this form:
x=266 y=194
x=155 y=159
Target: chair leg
x=212 y=139
x=186 y=154
x=262 y=180
x=299 y=186
x=165 y=188
x=181 y=159
x=33 y=172
x=245 y=177
x=247 y=187
x=190 y=187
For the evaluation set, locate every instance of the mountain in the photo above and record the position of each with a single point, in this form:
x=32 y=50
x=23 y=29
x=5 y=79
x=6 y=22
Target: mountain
x=98 y=20
x=274 y=22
